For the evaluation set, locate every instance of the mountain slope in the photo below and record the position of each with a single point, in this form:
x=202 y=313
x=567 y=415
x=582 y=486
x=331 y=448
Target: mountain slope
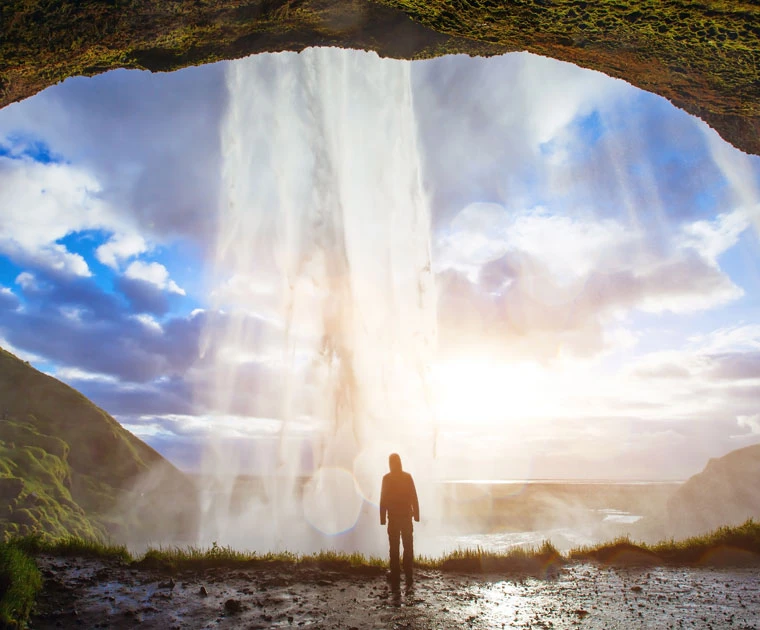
x=726 y=492
x=67 y=467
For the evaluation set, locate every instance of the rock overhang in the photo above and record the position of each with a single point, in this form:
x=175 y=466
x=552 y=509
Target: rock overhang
x=703 y=57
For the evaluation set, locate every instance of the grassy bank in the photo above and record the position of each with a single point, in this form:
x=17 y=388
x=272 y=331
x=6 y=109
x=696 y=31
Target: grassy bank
x=738 y=545
x=743 y=538
x=20 y=581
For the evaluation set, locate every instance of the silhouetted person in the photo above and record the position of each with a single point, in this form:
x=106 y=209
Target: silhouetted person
x=398 y=501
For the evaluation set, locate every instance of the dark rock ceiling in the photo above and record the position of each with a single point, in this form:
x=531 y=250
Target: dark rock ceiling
x=702 y=56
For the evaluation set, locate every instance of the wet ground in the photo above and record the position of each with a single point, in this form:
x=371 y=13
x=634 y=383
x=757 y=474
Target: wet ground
x=104 y=594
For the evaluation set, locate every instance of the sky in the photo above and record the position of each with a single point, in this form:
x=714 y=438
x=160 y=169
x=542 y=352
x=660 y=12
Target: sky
x=594 y=249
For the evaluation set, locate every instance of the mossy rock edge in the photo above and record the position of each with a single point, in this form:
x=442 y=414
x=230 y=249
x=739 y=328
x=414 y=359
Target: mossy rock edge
x=703 y=57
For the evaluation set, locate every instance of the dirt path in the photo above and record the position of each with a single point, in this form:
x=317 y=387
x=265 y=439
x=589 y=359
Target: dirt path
x=103 y=594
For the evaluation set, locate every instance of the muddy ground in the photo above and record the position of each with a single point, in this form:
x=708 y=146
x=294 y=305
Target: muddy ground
x=106 y=594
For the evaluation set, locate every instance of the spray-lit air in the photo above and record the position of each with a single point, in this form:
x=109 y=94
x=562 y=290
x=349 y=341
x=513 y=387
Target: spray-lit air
x=322 y=192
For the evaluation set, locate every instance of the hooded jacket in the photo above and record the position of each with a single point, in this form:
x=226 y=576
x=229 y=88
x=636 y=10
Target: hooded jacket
x=398 y=497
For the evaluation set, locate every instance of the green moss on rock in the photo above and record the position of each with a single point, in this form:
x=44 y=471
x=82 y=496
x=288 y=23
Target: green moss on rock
x=66 y=466
x=701 y=56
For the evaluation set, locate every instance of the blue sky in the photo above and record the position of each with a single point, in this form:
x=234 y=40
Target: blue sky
x=588 y=240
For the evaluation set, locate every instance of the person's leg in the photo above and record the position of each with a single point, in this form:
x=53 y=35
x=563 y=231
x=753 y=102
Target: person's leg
x=407 y=537
x=394 y=533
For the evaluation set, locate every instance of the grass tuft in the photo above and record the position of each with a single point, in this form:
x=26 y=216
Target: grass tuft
x=219 y=556
x=532 y=560
x=34 y=544
x=737 y=545
x=20 y=581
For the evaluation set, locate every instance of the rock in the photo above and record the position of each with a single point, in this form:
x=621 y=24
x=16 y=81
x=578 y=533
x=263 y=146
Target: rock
x=233 y=606
x=700 y=55
x=581 y=613
x=203 y=592
x=726 y=492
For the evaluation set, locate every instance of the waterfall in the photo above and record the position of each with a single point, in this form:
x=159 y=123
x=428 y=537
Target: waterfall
x=324 y=240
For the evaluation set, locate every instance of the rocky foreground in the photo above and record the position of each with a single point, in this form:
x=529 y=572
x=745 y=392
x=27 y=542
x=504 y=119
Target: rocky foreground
x=92 y=593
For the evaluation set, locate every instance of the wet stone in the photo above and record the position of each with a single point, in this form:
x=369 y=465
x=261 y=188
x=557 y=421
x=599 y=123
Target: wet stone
x=233 y=606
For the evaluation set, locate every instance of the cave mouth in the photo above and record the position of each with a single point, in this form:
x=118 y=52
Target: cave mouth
x=587 y=242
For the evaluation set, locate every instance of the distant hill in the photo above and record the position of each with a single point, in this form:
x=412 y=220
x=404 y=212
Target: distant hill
x=726 y=492
x=67 y=467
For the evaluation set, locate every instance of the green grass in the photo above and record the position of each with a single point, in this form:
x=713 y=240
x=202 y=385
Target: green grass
x=35 y=484
x=717 y=547
x=71 y=546
x=533 y=560
x=220 y=556
x=176 y=558
x=66 y=465
x=691 y=551
x=20 y=581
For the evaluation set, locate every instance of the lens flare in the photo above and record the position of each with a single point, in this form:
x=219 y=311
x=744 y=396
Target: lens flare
x=331 y=501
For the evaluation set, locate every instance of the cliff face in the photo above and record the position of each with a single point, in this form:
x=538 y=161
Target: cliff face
x=701 y=56
x=67 y=467
x=726 y=492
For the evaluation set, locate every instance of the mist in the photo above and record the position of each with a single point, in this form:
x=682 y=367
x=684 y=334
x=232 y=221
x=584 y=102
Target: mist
x=324 y=228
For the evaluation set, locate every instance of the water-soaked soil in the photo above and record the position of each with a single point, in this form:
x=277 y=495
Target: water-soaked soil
x=105 y=594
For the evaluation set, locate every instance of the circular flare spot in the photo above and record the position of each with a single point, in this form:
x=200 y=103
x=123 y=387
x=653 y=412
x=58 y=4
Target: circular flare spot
x=369 y=467
x=331 y=501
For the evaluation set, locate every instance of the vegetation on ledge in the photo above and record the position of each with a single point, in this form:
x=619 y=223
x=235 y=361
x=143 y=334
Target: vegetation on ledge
x=700 y=550
x=20 y=580
x=738 y=545
x=701 y=56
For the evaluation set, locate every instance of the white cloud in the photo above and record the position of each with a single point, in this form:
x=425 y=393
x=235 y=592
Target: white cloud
x=41 y=204
x=26 y=281
x=20 y=352
x=541 y=284
x=560 y=92
x=149 y=322
x=72 y=313
x=712 y=238
x=504 y=119
x=153 y=273
x=120 y=248
x=75 y=374
x=737 y=168
x=750 y=422
x=567 y=248
x=737 y=338
x=218 y=426
x=149 y=140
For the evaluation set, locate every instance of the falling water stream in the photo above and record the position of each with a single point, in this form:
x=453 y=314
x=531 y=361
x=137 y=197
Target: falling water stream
x=322 y=191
